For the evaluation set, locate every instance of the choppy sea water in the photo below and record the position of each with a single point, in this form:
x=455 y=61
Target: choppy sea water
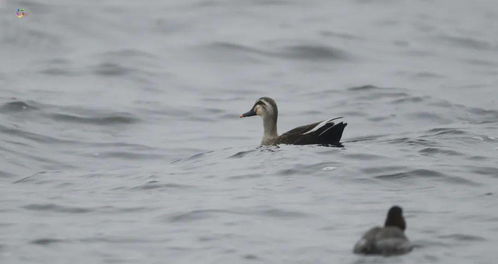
x=120 y=140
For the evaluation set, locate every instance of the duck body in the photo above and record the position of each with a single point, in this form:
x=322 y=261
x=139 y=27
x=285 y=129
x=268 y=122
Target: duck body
x=387 y=240
x=383 y=241
x=325 y=132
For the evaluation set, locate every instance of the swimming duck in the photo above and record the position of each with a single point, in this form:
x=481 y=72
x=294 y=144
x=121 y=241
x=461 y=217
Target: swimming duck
x=324 y=132
x=387 y=240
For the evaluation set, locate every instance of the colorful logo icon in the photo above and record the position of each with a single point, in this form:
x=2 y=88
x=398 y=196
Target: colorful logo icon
x=21 y=13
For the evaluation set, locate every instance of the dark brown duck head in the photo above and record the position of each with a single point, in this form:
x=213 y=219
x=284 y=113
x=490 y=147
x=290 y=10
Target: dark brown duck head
x=395 y=218
x=267 y=109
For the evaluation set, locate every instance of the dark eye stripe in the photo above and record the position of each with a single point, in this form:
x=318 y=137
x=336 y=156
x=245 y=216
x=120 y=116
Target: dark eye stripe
x=258 y=103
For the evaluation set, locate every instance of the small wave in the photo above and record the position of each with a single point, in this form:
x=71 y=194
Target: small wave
x=152 y=185
x=301 y=52
x=419 y=53
x=126 y=53
x=30 y=178
x=57 y=71
x=446 y=131
x=111 y=69
x=382 y=169
x=245 y=176
x=367 y=87
x=4 y=174
x=424 y=142
x=193 y=157
x=279 y=213
x=340 y=35
x=57 y=67
x=105 y=120
x=16 y=106
x=364 y=156
x=57 y=208
x=128 y=155
x=46 y=241
x=116 y=240
x=491 y=114
x=467 y=42
x=197 y=215
x=413 y=173
x=307 y=169
x=424 y=173
x=430 y=116
x=236 y=51
x=428 y=75
x=410 y=99
x=251 y=257
x=372 y=92
x=463 y=237
x=314 y=53
x=242 y=154
x=489 y=171
x=380 y=118
x=235 y=47
x=434 y=151
x=364 y=138
x=478 y=62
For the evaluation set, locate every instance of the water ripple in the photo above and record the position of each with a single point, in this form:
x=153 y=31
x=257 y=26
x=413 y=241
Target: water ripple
x=57 y=208
x=195 y=215
x=46 y=241
x=463 y=237
x=314 y=53
x=152 y=185
x=413 y=173
x=16 y=106
x=118 y=118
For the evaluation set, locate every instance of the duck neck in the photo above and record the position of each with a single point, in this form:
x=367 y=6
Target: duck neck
x=396 y=221
x=270 y=126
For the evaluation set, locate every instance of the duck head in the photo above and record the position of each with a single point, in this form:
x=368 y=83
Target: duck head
x=267 y=109
x=395 y=218
x=264 y=107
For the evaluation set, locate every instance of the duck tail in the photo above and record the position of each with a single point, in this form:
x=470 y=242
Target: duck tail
x=333 y=134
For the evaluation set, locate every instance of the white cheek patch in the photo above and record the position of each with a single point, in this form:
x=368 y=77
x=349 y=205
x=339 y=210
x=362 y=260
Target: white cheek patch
x=265 y=109
x=258 y=110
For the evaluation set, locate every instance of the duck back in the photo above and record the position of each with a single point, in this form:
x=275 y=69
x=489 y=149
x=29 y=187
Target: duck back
x=384 y=241
x=323 y=133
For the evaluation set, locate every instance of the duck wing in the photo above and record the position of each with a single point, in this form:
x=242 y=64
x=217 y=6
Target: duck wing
x=323 y=132
x=366 y=244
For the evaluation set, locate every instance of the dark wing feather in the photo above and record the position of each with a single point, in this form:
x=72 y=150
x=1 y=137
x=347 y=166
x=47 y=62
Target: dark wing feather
x=328 y=133
x=300 y=130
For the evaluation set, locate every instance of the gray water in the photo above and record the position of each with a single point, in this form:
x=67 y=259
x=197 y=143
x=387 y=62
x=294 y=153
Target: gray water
x=121 y=142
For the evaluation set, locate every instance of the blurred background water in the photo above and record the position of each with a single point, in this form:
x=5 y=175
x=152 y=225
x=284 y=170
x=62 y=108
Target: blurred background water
x=121 y=142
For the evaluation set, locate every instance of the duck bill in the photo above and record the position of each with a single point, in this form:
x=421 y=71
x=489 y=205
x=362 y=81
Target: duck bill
x=250 y=113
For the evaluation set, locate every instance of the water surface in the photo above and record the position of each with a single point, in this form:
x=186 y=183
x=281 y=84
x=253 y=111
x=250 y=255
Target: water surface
x=121 y=142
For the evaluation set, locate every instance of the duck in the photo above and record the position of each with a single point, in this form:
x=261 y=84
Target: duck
x=387 y=240
x=324 y=132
